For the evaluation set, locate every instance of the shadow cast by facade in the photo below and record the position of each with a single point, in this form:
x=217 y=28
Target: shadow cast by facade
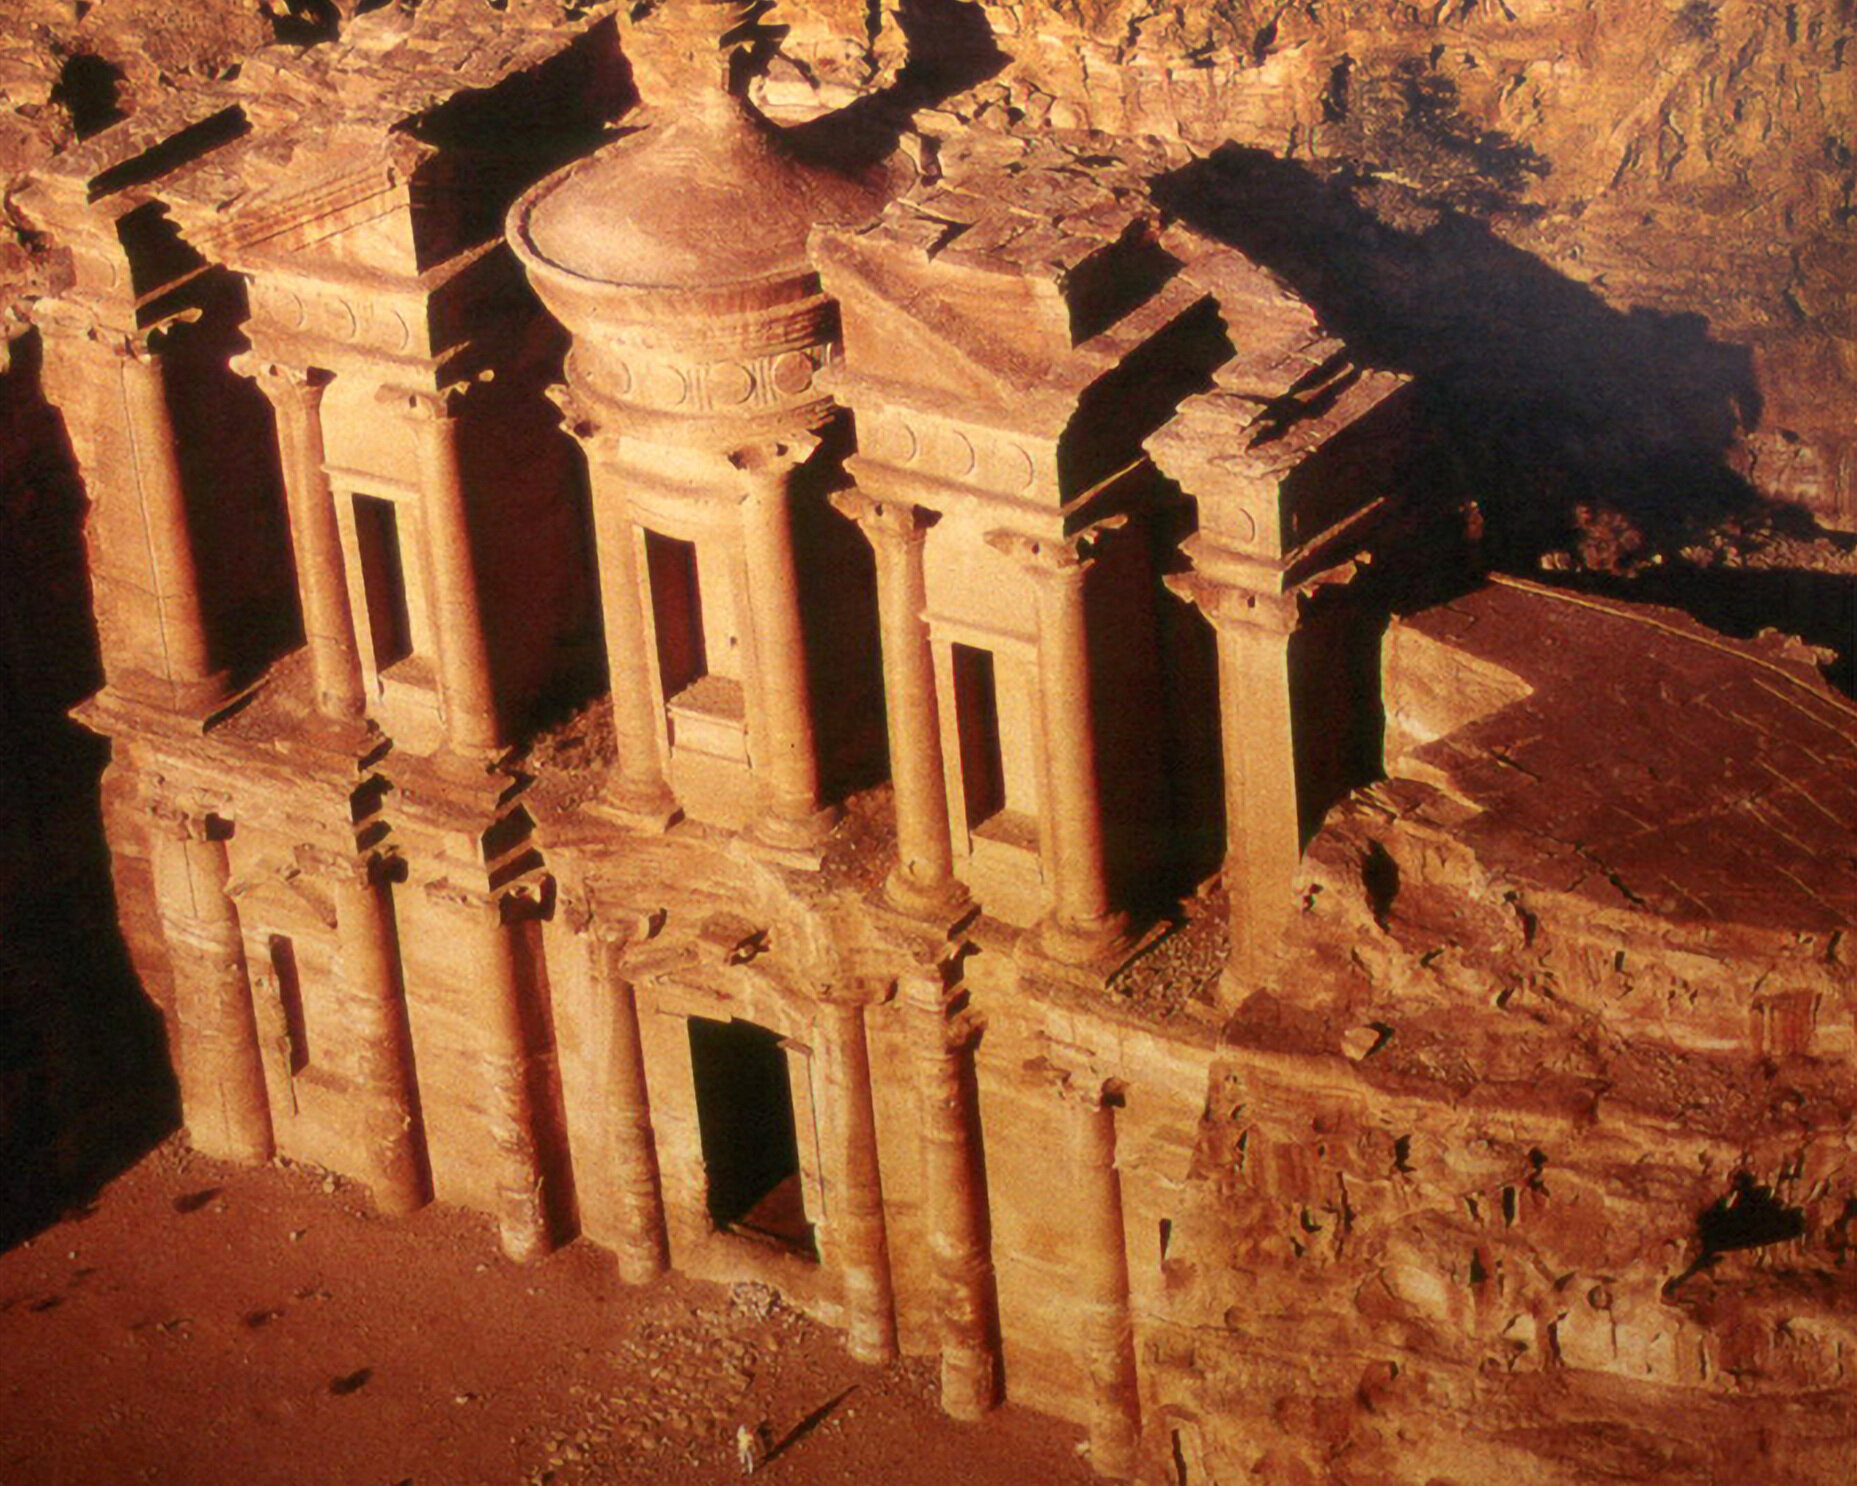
x=1548 y=410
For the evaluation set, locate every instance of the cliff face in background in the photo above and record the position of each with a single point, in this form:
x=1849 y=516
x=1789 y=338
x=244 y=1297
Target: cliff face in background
x=1678 y=159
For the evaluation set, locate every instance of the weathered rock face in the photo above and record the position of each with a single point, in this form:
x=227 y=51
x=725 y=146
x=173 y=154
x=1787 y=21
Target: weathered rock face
x=1687 y=159
x=1679 y=158
x=921 y=721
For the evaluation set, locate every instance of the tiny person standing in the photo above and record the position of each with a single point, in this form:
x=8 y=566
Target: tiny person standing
x=747 y=1448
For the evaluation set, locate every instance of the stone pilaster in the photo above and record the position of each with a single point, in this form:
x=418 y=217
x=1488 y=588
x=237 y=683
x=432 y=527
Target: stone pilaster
x=967 y=1302
x=1263 y=834
x=508 y=1097
x=111 y=387
x=923 y=879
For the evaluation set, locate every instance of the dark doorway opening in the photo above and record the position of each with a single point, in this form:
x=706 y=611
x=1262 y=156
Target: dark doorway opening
x=744 y=1109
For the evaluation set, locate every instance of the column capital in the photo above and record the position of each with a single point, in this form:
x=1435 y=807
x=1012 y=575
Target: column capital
x=928 y=994
x=1227 y=605
x=1061 y=559
x=577 y=413
x=886 y=522
x=279 y=380
x=765 y=460
x=1073 y=1075
x=353 y=868
x=145 y=344
x=189 y=822
x=854 y=994
x=428 y=405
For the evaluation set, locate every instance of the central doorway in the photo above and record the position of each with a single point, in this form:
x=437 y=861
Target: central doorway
x=744 y=1110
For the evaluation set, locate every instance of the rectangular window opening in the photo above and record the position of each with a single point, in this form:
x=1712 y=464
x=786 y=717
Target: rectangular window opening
x=383 y=580
x=290 y=999
x=976 y=713
x=676 y=611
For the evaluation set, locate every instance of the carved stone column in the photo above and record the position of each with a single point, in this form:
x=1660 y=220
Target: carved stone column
x=1102 y=1280
x=315 y=538
x=375 y=1000
x=508 y=1098
x=923 y=879
x=467 y=686
x=194 y=682
x=636 y=790
x=967 y=1302
x=1263 y=834
x=641 y=1244
x=1081 y=926
x=223 y=1098
x=781 y=735
x=857 y=1216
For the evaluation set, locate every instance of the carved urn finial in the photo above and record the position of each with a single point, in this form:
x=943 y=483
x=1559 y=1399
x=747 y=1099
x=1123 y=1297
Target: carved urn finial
x=683 y=51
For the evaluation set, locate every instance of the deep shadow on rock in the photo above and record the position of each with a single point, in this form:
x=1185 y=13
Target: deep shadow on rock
x=85 y=1088
x=1553 y=412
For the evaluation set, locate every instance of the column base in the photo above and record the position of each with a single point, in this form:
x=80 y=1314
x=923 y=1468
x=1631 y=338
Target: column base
x=198 y=701
x=472 y=768
x=398 y=1197
x=341 y=711
x=650 y=812
x=797 y=828
x=938 y=902
x=348 y=737
x=969 y=1383
x=1087 y=943
x=642 y=1265
x=523 y=1233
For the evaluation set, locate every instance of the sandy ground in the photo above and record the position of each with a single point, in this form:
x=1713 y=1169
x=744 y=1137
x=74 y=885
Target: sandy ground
x=204 y=1325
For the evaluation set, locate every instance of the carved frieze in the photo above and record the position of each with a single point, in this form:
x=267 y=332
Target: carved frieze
x=951 y=453
x=393 y=324
x=660 y=380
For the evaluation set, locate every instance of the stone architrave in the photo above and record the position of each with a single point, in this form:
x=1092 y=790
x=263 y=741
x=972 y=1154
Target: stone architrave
x=1082 y=925
x=221 y=1065
x=967 y=1303
x=922 y=880
x=857 y=1218
x=295 y=394
x=467 y=685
